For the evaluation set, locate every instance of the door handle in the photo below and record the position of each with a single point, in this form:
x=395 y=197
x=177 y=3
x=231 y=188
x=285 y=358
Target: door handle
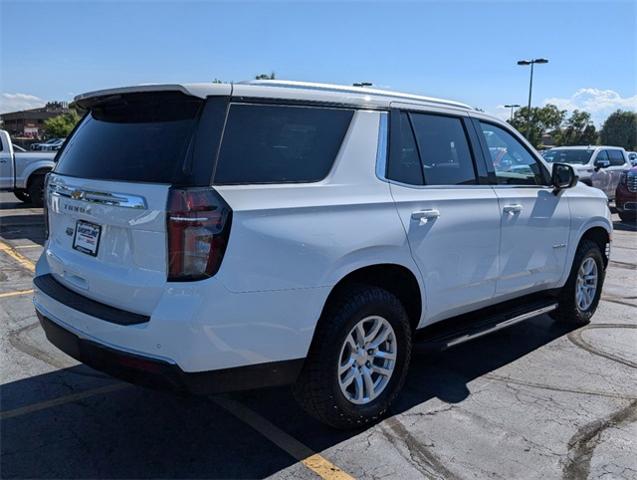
x=425 y=215
x=512 y=209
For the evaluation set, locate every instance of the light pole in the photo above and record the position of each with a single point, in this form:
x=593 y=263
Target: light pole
x=532 y=63
x=512 y=106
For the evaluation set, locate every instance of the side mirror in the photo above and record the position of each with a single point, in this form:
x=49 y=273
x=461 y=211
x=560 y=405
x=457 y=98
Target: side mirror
x=601 y=164
x=563 y=176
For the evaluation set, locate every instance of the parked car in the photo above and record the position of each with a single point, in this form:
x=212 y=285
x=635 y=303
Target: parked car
x=597 y=165
x=239 y=236
x=632 y=158
x=40 y=146
x=23 y=172
x=53 y=146
x=626 y=195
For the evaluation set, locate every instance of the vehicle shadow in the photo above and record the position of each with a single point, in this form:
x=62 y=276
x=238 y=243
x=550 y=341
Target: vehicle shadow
x=625 y=226
x=139 y=433
x=22 y=227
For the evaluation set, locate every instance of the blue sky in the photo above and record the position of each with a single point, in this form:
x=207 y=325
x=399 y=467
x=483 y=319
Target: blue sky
x=461 y=50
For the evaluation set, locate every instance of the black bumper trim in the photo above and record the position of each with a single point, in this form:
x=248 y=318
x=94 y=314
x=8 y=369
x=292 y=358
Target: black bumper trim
x=162 y=375
x=54 y=289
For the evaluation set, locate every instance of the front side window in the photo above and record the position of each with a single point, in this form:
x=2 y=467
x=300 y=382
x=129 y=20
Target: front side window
x=602 y=156
x=512 y=162
x=444 y=150
x=616 y=158
x=280 y=144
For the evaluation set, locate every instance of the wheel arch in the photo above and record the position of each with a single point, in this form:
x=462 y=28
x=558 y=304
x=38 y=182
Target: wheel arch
x=35 y=173
x=602 y=236
x=393 y=277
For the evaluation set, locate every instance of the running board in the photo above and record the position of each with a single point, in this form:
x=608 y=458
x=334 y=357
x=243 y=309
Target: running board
x=467 y=327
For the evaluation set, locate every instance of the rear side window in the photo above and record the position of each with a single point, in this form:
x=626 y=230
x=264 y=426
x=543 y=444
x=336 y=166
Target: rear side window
x=135 y=137
x=444 y=150
x=280 y=144
x=404 y=163
x=616 y=157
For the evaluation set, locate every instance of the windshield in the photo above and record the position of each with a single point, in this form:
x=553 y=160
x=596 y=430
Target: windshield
x=577 y=156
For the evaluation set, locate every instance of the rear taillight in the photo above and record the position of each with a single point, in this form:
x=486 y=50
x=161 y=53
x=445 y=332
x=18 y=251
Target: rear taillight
x=198 y=223
x=45 y=205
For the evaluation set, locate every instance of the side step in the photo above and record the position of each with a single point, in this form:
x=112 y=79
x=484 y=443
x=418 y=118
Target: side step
x=454 y=331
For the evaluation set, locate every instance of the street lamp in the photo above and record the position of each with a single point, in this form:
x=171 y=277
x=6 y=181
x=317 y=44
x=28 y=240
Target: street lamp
x=512 y=106
x=531 y=62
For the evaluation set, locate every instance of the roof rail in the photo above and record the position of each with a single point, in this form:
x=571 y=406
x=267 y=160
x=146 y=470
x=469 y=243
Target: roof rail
x=326 y=87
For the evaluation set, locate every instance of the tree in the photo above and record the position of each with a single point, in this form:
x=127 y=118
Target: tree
x=539 y=120
x=61 y=125
x=620 y=130
x=578 y=129
x=265 y=76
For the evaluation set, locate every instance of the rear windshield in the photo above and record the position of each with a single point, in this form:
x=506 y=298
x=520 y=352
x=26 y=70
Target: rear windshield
x=577 y=156
x=279 y=144
x=136 y=138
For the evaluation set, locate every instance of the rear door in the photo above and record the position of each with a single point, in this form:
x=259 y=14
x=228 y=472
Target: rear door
x=107 y=197
x=6 y=162
x=534 y=221
x=447 y=208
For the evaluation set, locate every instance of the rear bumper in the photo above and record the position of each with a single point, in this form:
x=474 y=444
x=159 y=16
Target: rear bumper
x=156 y=373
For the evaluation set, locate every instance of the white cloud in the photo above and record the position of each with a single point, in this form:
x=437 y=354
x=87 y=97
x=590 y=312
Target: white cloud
x=599 y=103
x=11 y=102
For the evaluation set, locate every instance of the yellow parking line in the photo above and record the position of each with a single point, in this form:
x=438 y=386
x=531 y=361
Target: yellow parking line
x=35 y=407
x=302 y=453
x=20 y=247
x=16 y=293
x=17 y=256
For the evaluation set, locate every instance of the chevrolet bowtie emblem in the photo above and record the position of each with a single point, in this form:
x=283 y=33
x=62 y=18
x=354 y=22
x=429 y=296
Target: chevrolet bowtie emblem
x=77 y=194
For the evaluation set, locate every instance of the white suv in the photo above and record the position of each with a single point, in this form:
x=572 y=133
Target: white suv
x=222 y=237
x=599 y=166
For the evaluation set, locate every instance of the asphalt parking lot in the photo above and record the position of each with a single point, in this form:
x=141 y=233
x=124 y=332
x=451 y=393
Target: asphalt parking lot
x=534 y=401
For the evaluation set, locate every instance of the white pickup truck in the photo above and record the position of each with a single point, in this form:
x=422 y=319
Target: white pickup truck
x=23 y=172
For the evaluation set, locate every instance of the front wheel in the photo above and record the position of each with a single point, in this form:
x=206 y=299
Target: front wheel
x=579 y=298
x=358 y=360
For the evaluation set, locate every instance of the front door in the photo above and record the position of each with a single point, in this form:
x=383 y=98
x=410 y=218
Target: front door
x=534 y=221
x=452 y=221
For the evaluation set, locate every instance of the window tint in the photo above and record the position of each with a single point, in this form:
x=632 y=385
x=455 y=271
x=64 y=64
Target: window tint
x=616 y=157
x=278 y=144
x=137 y=137
x=602 y=155
x=512 y=162
x=576 y=156
x=404 y=163
x=444 y=150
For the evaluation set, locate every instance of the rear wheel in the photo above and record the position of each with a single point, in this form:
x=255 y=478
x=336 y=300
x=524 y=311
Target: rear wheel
x=22 y=195
x=358 y=359
x=579 y=298
x=36 y=190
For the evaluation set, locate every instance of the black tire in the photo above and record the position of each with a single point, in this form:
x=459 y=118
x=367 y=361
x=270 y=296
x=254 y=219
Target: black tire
x=36 y=190
x=568 y=311
x=22 y=195
x=318 y=390
x=628 y=217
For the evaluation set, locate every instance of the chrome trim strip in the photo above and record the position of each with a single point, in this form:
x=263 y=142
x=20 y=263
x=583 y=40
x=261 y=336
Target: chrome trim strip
x=506 y=323
x=189 y=219
x=104 y=198
x=381 y=148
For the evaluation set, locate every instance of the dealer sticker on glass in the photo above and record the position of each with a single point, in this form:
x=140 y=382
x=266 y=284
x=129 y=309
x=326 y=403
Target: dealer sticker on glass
x=87 y=237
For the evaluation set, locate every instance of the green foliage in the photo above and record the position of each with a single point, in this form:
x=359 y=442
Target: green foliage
x=265 y=76
x=532 y=124
x=61 y=125
x=620 y=130
x=578 y=129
